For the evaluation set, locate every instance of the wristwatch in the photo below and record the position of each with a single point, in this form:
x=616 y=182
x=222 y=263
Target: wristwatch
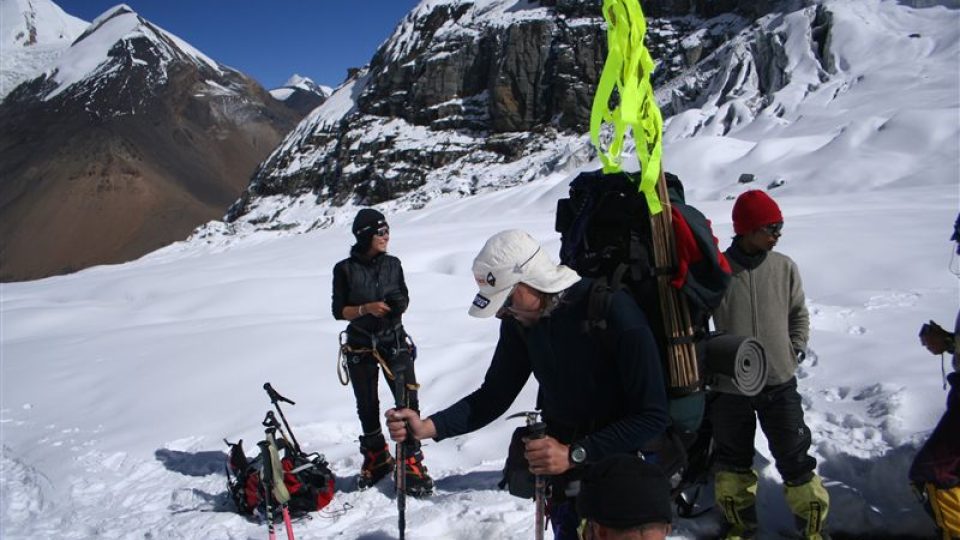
x=578 y=455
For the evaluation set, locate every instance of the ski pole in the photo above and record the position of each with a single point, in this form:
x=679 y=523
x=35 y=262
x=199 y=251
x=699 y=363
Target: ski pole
x=266 y=477
x=276 y=398
x=271 y=421
x=287 y=522
x=400 y=386
x=274 y=468
x=536 y=429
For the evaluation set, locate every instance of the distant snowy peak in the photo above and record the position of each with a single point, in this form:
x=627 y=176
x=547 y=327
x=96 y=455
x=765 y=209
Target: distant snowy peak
x=301 y=83
x=33 y=34
x=302 y=95
x=118 y=44
x=31 y=23
x=305 y=83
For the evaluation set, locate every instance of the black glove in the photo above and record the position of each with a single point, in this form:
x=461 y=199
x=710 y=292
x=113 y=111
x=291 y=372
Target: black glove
x=801 y=355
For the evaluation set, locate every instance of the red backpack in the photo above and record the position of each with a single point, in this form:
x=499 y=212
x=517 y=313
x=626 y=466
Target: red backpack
x=307 y=477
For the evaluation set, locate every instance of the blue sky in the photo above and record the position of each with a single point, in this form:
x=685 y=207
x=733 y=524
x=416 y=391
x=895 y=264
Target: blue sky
x=271 y=39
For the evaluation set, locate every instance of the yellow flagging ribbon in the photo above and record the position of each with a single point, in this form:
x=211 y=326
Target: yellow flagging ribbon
x=628 y=68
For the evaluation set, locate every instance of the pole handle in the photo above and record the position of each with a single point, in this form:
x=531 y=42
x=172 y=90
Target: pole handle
x=270 y=421
x=274 y=395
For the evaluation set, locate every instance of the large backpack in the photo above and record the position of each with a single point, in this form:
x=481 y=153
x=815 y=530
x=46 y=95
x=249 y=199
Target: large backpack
x=606 y=234
x=307 y=478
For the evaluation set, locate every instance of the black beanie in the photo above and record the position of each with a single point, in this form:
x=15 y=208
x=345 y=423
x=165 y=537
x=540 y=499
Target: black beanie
x=624 y=491
x=367 y=222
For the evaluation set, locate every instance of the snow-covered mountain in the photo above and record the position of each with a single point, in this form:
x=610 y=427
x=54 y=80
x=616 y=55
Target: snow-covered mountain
x=466 y=97
x=472 y=96
x=126 y=142
x=301 y=94
x=33 y=34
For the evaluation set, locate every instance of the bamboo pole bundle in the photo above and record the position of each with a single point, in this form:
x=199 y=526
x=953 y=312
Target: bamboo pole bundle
x=683 y=370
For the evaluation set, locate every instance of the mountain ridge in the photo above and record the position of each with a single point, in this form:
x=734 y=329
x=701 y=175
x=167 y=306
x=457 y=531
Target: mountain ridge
x=130 y=140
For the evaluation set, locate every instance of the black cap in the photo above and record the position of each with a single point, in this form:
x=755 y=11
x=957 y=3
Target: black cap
x=624 y=491
x=367 y=222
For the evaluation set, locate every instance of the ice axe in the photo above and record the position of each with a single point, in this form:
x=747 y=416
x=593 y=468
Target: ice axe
x=276 y=398
x=536 y=429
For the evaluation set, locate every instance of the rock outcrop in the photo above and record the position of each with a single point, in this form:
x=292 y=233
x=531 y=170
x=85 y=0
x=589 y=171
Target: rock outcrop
x=467 y=96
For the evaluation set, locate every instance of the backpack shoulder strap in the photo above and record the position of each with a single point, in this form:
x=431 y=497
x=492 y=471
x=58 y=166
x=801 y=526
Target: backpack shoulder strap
x=599 y=298
x=598 y=301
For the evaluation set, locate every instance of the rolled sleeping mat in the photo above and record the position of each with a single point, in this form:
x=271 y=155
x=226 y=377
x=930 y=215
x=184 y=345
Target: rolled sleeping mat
x=735 y=365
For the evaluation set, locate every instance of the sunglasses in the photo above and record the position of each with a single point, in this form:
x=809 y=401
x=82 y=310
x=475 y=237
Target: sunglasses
x=773 y=229
x=383 y=231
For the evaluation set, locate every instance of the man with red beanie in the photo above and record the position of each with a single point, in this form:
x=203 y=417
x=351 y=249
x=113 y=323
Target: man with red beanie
x=765 y=301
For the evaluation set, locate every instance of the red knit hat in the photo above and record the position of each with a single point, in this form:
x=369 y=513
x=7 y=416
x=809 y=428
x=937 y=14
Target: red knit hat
x=753 y=210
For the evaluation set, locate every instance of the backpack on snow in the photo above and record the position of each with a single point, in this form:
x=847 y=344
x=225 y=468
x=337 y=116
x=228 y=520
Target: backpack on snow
x=307 y=478
x=606 y=234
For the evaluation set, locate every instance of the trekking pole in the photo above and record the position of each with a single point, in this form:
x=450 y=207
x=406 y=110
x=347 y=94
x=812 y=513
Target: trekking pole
x=400 y=470
x=276 y=398
x=266 y=477
x=273 y=471
x=536 y=429
x=271 y=421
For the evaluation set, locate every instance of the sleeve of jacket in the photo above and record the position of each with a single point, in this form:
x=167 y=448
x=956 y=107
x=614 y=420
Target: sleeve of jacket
x=341 y=290
x=401 y=304
x=799 y=316
x=506 y=376
x=638 y=367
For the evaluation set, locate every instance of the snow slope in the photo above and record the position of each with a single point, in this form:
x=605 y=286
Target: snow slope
x=119 y=382
x=33 y=34
x=887 y=117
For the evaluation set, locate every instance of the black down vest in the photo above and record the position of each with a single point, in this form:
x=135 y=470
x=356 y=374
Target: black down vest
x=358 y=280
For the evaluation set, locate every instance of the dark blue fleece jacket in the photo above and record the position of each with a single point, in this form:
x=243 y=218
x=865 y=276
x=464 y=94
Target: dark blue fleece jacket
x=609 y=399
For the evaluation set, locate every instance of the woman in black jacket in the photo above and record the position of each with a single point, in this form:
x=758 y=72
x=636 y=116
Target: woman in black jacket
x=370 y=292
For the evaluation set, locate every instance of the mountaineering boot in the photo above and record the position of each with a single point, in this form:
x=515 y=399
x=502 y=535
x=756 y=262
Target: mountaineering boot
x=736 y=493
x=943 y=505
x=377 y=461
x=418 y=482
x=809 y=503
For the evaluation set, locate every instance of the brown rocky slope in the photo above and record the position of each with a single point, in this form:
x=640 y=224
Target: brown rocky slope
x=133 y=157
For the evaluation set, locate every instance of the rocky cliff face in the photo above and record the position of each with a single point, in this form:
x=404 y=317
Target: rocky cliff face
x=128 y=142
x=473 y=95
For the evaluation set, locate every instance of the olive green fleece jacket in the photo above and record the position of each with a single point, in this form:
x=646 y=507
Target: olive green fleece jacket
x=766 y=302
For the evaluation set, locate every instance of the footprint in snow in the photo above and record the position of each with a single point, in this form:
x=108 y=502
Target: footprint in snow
x=835 y=394
x=892 y=299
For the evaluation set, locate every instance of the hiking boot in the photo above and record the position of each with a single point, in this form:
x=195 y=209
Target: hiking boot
x=736 y=493
x=376 y=465
x=417 y=481
x=737 y=532
x=810 y=504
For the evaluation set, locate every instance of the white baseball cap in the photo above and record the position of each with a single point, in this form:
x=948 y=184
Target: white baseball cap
x=510 y=257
